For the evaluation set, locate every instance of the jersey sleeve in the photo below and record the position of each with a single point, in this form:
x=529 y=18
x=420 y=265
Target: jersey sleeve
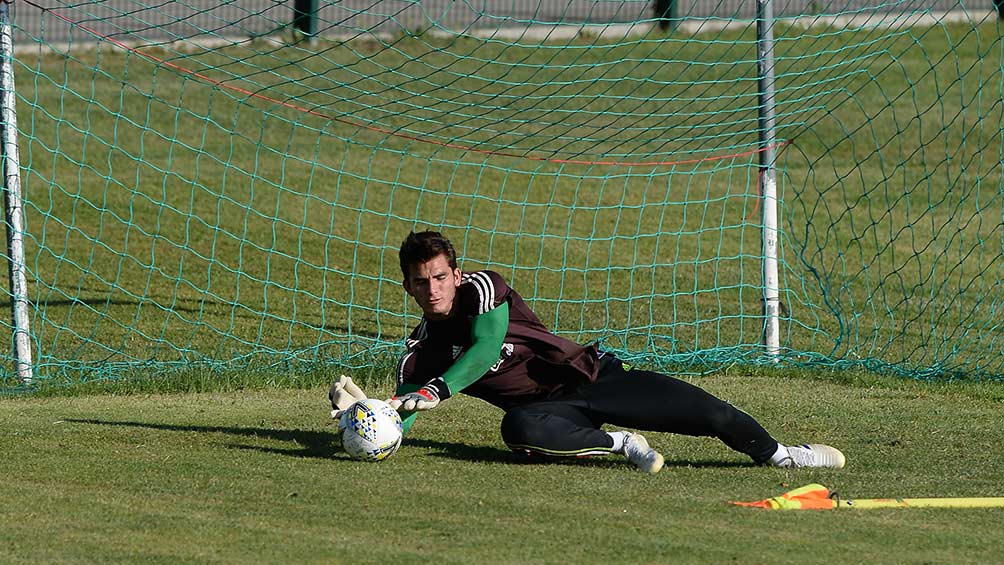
x=488 y=332
x=407 y=420
x=484 y=291
x=483 y=299
x=406 y=373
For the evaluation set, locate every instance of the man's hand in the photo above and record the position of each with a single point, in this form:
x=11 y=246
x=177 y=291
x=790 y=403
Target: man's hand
x=343 y=394
x=424 y=398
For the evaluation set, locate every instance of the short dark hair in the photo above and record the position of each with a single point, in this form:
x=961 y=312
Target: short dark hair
x=425 y=246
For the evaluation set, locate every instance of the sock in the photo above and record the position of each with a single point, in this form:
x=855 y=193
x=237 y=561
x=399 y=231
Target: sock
x=618 y=438
x=780 y=455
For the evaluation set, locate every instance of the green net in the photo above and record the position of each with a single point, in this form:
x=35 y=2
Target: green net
x=226 y=184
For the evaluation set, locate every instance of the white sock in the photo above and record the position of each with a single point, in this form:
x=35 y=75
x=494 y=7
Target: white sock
x=780 y=455
x=618 y=438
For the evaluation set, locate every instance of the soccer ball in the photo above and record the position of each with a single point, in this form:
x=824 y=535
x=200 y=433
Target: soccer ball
x=371 y=430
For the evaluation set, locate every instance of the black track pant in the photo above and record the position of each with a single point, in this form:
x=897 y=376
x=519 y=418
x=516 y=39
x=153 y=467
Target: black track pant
x=644 y=400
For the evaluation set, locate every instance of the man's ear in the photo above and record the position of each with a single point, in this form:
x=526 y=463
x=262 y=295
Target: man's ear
x=456 y=277
x=407 y=287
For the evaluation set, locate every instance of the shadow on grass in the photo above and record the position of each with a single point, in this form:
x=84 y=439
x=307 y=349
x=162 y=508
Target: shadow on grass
x=462 y=451
x=709 y=464
x=486 y=454
x=311 y=443
x=323 y=445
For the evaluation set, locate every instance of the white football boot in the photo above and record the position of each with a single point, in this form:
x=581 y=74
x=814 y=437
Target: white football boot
x=637 y=451
x=813 y=455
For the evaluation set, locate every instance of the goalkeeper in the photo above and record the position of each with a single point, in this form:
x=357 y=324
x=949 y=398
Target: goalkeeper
x=479 y=337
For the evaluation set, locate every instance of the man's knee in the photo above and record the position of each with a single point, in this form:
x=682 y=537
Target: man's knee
x=519 y=427
x=722 y=417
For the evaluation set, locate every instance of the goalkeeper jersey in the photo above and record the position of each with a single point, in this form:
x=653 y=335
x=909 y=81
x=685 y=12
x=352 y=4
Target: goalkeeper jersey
x=534 y=364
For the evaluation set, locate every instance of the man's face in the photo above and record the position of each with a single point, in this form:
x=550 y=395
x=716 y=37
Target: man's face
x=433 y=285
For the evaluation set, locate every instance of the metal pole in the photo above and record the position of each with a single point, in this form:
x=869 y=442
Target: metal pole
x=666 y=12
x=305 y=18
x=768 y=177
x=13 y=204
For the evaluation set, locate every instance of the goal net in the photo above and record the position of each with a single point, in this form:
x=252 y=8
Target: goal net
x=225 y=185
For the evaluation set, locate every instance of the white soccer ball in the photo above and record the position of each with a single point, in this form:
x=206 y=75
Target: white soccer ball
x=371 y=430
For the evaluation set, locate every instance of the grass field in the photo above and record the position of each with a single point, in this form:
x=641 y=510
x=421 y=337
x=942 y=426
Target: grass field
x=219 y=258
x=251 y=476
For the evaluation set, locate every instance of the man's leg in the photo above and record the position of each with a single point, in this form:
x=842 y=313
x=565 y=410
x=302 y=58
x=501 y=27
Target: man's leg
x=559 y=429
x=565 y=429
x=652 y=401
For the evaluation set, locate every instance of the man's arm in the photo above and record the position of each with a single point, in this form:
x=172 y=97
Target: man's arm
x=487 y=335
x=407 y=418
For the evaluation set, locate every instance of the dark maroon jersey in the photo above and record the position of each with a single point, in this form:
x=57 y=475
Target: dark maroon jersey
x=534 y=364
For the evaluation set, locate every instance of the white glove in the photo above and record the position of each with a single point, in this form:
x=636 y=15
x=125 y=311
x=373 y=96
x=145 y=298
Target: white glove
x=343 y=394
x=424 y=398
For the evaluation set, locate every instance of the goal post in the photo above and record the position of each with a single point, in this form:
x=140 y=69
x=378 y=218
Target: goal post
x=13 y=207
x=768 y=177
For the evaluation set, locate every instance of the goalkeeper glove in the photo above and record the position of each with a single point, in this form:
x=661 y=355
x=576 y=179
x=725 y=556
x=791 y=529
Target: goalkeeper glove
x=343 y=394
x=425 y=398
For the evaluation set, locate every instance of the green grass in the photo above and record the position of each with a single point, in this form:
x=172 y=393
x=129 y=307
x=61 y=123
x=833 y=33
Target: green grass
x=192 y=250
x=202 y=263
x=251 y=475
